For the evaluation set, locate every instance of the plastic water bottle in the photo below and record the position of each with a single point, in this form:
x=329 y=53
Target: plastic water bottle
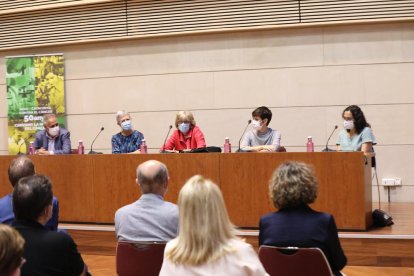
x=144 y=147
x=31 y=148
x=309 y=145
x=81 y=148
x=227 y=145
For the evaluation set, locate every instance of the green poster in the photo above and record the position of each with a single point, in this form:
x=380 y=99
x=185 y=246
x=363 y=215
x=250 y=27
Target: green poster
x=35 y=86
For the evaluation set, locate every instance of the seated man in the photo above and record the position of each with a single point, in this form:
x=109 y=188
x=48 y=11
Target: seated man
x=150 y=218
x=260 y=137
x=52 y=140
x=47 y=252
x=21 y=167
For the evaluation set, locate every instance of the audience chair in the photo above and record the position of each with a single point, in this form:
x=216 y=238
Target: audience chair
x=139 y=258
x=294 y=261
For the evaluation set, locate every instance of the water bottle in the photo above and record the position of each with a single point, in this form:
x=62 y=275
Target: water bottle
x=144 y=147
x=31 y=148
x=309 y=145
x=227 y=145
x=81 y=148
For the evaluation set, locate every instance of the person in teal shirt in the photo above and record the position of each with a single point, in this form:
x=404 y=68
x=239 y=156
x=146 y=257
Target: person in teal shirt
x=357 y=134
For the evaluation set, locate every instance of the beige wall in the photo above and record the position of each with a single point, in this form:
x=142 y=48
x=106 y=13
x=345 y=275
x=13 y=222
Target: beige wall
x=307 y=76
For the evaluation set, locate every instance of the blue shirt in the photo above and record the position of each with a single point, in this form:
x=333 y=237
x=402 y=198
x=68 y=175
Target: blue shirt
x=7 y=214
x=126 y=144
x=354 y=143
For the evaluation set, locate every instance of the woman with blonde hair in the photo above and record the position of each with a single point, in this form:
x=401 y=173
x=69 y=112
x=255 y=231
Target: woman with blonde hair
x=11 y=251
x=206 y=243
x=292 y=187
x=187 y=136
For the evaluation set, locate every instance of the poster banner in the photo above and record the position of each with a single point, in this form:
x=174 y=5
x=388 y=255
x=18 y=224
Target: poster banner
x=35 y=86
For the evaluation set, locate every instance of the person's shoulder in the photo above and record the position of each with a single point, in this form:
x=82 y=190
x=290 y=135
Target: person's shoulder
x=366 y=130
x=40 y=133
x=124 y=209
x=137 y=133
x=5 y=199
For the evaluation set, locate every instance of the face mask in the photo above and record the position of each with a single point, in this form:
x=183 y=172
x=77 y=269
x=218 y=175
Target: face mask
x=126 y=125
x=184 y=128
x=256 y=124
x=348 y=125
x=53 y=131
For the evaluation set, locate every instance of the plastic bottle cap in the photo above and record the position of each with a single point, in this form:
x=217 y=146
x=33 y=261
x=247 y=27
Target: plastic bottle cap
x=309 y=137
x=227 y=138
x=80 y=141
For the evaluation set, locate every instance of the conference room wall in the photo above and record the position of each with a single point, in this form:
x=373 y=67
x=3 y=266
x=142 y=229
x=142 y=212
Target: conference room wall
x=307 y=76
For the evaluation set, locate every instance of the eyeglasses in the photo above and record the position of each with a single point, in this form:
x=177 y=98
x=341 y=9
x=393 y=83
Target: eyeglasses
x=54 y=125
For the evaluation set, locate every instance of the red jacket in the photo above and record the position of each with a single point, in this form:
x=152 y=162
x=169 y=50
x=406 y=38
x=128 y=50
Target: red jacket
x=194 y=140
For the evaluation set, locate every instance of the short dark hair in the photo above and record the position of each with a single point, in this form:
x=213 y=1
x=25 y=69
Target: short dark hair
x=20 y=167
x=31 y=196
x=359 y=119
x=264 y=113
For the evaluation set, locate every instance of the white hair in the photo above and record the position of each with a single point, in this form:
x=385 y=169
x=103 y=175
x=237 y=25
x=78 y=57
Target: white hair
x=120 y=114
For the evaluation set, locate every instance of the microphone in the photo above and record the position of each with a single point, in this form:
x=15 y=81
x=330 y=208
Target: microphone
x=165 y=141
x=244 y=131
x=94 y=152
x=326 y=147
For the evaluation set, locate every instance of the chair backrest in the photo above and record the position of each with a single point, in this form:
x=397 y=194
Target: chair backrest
x=139 y=258
x=294 y=261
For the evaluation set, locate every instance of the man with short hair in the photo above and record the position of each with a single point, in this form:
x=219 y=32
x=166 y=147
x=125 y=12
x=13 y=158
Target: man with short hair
x=150 y=218
x=52 y=140
x=21 y=167
x=46 y=252
x=260 y=137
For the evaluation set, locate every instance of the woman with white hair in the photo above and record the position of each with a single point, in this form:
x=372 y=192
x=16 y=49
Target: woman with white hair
x=206 y=243
x=128 y=140
x=187 y=136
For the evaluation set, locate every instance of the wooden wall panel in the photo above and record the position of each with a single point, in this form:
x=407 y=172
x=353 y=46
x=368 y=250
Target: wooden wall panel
x=92 y=187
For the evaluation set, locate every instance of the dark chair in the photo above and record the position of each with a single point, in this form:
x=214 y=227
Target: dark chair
x=139 y=258
x=294 y=261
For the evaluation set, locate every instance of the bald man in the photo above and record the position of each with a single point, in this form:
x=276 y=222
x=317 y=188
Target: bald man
x=150 y=218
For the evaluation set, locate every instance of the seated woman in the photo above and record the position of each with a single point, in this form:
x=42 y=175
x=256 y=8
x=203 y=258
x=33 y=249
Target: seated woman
x=128 y=140
x=292 y=187
x=357 y=134
x=187 y=136
x=206 y=243
x=11 y=251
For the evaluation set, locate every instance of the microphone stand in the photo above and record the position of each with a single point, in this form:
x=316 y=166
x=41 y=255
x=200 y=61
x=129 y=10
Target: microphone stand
x=94 y=152
x=165 y=141
x=244 y=131
x=326 y=149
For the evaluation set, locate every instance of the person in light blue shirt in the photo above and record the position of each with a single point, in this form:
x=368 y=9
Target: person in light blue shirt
x=357 y=134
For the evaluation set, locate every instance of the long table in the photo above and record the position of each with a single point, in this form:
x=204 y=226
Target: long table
x=91 y=188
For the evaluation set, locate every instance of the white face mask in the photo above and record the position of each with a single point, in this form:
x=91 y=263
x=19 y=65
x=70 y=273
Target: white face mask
x=53 y=131
x=184 y=127
x=348 y=125
x=256 y=124
x=126 y=125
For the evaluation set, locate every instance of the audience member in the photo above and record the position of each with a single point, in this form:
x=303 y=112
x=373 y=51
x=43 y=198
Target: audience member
x=206 y=244
x=47 y=252
x=292 y=187
x=357 y=134
x=21 y=167
x=150 y=218
x=128 y=140
x=11 y=251
x=187 y=136
x=52 y=140
x=260 y=137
